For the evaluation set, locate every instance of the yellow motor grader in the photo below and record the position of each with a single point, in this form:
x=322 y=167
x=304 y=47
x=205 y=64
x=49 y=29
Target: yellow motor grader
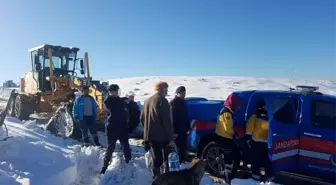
x=50 y=87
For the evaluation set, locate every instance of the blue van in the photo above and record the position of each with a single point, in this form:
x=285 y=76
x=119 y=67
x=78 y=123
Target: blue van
x=304 y=142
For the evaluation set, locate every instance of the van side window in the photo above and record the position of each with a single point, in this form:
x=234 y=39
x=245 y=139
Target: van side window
x=297 y=106
x=323 y=114
x=283 y=110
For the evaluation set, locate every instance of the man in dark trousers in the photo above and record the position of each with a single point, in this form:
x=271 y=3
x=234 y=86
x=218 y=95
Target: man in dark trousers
x=158 y=128
x=116 y=128
x=181 y=122
x=85 y=111
x=257 y=136
x=134 y=114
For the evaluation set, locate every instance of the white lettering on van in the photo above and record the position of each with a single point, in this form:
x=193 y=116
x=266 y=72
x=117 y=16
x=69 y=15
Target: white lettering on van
x=286 y=144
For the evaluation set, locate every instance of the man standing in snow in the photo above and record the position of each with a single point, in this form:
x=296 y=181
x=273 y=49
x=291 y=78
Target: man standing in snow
x=181 y=122
x=134 y=114
x=158 y=128
x=116 y=128
x=85 y=111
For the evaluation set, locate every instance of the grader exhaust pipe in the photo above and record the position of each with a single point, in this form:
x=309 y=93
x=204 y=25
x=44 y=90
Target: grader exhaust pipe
x=51 y=77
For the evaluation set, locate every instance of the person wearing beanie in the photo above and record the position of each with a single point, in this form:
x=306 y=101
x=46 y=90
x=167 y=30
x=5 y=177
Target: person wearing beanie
x=181 y=122
x=256 y=136
x=158 y=129
x=85 y=112
x=226 y=134
x=116 y=127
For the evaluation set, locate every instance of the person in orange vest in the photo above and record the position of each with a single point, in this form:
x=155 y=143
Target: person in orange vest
x=226 y=134
x=257 y=137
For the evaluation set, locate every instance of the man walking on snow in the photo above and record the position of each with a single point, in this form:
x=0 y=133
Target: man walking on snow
x=158 y=128
x=181 y=121
x=85 y=111
x=116 y=128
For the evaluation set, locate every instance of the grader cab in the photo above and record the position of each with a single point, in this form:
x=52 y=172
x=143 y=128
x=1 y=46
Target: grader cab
x=57 y=74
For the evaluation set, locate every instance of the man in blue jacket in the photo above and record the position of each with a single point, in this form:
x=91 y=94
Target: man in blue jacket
x=85 y=111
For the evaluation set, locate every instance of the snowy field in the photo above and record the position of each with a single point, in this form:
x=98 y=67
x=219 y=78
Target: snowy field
x=35 y=157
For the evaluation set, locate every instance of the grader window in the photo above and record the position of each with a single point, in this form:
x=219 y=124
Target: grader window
x=56 y=63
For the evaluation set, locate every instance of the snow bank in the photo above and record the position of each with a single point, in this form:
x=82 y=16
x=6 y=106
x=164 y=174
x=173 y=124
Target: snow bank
x=214 y=87
x=134 y=173
x=88 y=163
x=35 y=157
x=6 y=179
x=5 y=92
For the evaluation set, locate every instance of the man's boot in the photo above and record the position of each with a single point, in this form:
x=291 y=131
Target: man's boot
x=103 y=170
x=156 y=172
x=96 y=140
x=165 y=168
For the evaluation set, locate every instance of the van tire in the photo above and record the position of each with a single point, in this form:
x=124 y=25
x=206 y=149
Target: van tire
x=208 y=155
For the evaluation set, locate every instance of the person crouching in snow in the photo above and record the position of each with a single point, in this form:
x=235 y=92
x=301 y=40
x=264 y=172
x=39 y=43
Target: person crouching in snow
x=85 y=111
x=257 y=131
x=226 y=134
x=116 y=128
x=181 y=122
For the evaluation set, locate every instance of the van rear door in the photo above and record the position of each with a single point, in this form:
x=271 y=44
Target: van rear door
x=283 y=132
x=317 y=137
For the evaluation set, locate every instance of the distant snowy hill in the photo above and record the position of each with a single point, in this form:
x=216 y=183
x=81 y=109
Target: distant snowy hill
x=35 y=157
x=214 y=87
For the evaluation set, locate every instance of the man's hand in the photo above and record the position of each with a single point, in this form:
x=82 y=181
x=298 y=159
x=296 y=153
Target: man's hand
x=248 y=142
x=234 y=136
x=172 y=144
x=175 y=136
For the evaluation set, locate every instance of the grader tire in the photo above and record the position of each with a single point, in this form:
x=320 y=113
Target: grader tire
x=22 y=107
x=63 y=124
x=11 y=108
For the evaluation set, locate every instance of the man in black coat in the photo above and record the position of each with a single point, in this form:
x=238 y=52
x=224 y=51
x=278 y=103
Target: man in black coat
x=134 y=114
x=181 y=121
x=116 y=128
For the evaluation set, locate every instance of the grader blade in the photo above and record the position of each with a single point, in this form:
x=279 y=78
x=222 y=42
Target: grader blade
x=3 y=114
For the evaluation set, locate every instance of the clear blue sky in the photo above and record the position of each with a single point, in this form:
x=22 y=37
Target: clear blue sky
x=260 y=38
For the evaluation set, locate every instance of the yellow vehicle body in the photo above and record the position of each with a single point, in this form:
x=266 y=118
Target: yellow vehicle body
x=53 y=81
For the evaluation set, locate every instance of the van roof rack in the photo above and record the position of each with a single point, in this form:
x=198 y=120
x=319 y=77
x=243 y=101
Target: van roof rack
x=304 y=89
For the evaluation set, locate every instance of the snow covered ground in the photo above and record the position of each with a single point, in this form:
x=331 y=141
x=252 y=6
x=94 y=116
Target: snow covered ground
x=214 y=87
x=4 y=95
x=35 y=157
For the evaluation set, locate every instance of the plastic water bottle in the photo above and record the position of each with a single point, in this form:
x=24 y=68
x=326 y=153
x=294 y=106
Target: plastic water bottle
x=174 y=161
x=148 y=159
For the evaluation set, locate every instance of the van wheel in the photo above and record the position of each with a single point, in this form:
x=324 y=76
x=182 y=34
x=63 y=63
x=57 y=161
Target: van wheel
x=215 y=155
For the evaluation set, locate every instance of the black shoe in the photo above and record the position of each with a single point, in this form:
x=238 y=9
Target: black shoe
x=103 y=170
x=96 y=141
x=228 y=178
x=98 y=144
x=156 y=172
